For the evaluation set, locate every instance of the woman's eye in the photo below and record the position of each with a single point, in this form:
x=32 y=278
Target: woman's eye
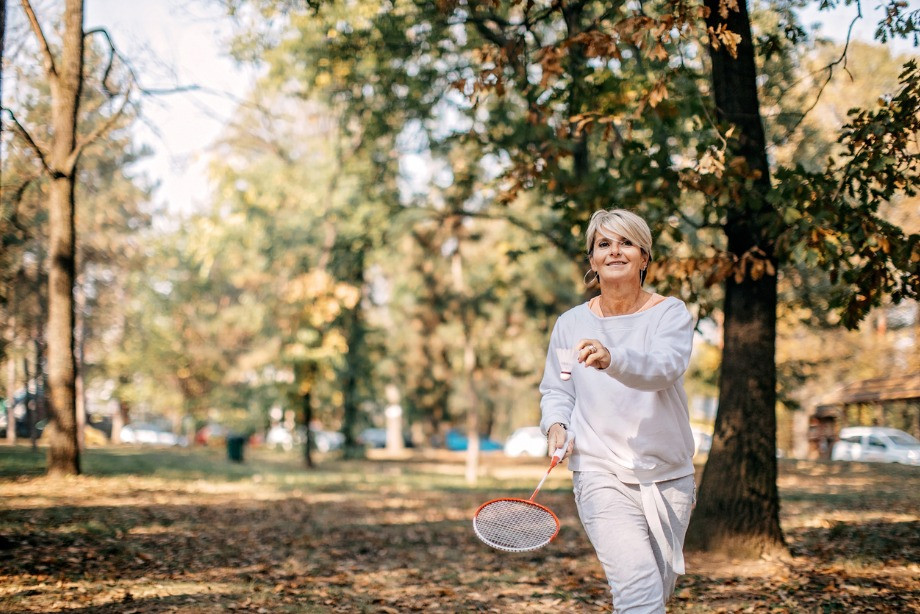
x=626 y=243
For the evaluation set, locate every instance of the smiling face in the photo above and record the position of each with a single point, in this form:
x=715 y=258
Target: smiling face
x=616 y=259
x=619 y=245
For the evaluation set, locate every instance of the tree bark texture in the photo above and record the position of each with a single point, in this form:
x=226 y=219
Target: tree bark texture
x=306 y=403
x=2 y=48
x=79 y=357
x=11 y=366
x=355 y=364
x=66 y=80
x=738 y=507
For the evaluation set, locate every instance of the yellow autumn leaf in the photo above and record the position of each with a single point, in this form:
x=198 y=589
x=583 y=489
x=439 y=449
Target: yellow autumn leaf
x=322 y=79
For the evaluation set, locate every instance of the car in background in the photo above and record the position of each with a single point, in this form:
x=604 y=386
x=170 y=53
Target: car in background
x=526 y=441
x=327 y=441
x=457 y=441
x=151 y=434
x=212 y=434
x=702 y=442
x=323 y=441
x=23 y=431
x=876 y=444
x=373 y=438
x=280 y=437
x=376 y=437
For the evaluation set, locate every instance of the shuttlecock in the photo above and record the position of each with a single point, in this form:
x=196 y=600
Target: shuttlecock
x=567 y=358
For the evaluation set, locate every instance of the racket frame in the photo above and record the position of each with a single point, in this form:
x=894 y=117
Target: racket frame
x=516 y=500
x=557 y=456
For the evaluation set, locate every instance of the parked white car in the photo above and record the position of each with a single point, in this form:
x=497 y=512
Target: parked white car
x=702 y=442
x=876 y=444
x=526 y=441
x=151 y=434
x=324 y=441
x=280 y=437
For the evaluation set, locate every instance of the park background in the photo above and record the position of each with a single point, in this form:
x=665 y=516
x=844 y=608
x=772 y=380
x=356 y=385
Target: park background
x=378 y=205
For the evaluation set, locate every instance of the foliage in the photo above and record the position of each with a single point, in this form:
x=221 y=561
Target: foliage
x=536 y=115
x=836 y=225
x=599 y=104
x=112 y=215
x=321 y=247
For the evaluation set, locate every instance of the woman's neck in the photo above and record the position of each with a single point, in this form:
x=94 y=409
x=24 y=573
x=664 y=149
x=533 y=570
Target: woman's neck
x=620 y=301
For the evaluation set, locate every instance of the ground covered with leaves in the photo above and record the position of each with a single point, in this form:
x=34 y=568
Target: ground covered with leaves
x=187 y=531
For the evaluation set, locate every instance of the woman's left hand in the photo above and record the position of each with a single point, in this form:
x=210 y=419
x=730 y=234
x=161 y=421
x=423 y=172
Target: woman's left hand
x=593 y=353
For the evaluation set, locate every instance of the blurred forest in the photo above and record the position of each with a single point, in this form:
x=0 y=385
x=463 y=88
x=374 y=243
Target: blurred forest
x=400 y=204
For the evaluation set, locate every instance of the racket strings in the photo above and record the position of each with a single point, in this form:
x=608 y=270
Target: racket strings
x=515 y=525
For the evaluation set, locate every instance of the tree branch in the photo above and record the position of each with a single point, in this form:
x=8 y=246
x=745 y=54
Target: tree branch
x=830 y=75
x=101 y=129
x=536 y=230
x=19 y=128
x=14 y=205
x=42 y=41
x=114 y=53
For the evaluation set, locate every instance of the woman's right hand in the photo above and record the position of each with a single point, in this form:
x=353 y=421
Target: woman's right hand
x=555 y=439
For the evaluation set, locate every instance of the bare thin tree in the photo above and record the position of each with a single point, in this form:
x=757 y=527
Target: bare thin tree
x=63 y=70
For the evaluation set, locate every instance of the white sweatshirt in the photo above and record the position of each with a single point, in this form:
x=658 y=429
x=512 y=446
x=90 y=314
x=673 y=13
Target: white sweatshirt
x=630 y=419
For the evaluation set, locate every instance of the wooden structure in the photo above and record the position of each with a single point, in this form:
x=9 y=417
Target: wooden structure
x=863 y=403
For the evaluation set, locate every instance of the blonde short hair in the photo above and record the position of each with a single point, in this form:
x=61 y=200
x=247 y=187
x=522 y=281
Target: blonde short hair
x=621 y=222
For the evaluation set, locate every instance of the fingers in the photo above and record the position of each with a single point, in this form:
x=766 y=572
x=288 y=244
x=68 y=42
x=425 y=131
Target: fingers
x=555 y=439
x=592 y=353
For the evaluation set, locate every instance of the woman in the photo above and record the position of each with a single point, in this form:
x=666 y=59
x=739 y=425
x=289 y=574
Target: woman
x=632 y=451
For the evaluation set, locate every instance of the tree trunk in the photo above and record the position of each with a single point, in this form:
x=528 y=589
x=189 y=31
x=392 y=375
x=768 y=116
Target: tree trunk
x=469 y=392
x=355 y=361
x=11 y=326
x=2 y=48
x=66 y=81
x=472 y=409
x=120 y=419
x=79 y=355
x=468 y=364
x=10 y=398
x=573 y=14
x=28 y=401
x=307 y=406
x=738 y=507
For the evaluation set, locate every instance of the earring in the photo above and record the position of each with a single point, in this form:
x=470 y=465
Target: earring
x=587 y=281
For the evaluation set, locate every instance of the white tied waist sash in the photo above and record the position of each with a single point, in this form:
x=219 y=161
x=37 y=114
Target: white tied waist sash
x=656 y=514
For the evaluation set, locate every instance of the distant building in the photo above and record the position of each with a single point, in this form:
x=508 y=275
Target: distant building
x=882 y=401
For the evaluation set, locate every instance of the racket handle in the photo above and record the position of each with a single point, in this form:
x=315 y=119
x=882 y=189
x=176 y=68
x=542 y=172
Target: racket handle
x=557 y=456
x=560 y=452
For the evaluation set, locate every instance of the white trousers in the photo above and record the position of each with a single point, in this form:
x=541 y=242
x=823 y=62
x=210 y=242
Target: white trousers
x=638 y=533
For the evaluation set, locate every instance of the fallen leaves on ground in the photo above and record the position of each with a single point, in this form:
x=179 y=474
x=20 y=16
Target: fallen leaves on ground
x=395 y=536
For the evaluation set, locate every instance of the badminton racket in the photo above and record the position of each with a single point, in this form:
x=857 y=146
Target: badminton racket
x=519 y=525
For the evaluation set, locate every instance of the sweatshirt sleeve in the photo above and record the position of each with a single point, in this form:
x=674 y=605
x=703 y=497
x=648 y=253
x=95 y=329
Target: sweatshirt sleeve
x=558 y=396
x=667 y=359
